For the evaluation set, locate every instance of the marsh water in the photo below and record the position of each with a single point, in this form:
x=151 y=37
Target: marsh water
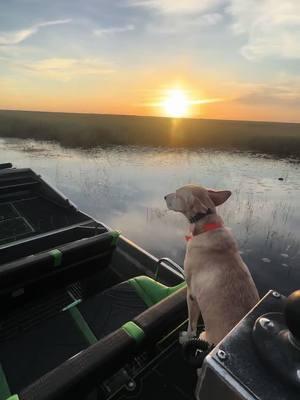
x=123 y=186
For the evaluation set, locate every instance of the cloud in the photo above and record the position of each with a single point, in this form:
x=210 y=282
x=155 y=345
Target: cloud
x=271 y=27
x=66 y=69
x=177 y=7
x=173 y=25
x=113 y=30
x=16 y=37
x=285 y=93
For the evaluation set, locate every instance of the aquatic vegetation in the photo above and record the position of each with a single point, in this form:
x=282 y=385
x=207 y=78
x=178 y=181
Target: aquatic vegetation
x=90 y=130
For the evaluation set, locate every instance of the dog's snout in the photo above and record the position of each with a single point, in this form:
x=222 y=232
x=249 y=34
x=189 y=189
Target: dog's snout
x=165 y=197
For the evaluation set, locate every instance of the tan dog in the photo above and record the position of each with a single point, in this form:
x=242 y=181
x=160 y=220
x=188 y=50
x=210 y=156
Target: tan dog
x=219 y=284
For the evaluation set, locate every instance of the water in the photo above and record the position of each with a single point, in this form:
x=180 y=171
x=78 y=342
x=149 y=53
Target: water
x=123 y=186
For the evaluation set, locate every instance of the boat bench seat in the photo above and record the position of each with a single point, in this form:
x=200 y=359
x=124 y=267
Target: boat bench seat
x=114 y=307
x=64 y=261
x=88 y=340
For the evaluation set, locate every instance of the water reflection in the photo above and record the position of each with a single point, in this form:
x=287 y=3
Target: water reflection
x=124 y=187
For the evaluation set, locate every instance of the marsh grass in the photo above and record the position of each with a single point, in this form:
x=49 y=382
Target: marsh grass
x=90 y=130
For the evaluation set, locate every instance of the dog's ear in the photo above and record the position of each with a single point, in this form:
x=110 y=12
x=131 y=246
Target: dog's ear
x=219 y=196
x=198 y=205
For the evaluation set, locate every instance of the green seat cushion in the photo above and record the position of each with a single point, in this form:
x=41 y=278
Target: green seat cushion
x=152 y=291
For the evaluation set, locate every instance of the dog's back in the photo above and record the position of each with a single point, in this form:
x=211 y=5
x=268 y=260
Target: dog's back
x=219 y=281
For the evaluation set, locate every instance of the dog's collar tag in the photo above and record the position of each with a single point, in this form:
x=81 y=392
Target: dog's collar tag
x=190 y=234
x=188 y=237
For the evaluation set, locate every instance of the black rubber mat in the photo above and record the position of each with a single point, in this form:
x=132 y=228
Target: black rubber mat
x=24 y=318
x=45 y=216
x=7 y=212
x=30 y=348
x=13 y=229
x=29 y=356
x=109 y=310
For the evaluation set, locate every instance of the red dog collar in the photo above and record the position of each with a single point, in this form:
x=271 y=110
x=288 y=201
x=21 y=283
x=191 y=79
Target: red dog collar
x=211 y=227
x=206 y=228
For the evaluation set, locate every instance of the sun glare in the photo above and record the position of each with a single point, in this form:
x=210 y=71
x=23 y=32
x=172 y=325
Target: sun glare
x=176 y=104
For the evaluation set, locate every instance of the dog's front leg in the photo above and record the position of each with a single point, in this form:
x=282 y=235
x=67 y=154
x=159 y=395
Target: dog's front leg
x=194 y=313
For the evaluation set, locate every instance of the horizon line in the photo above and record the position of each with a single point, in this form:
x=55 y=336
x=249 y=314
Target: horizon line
x=152 y=116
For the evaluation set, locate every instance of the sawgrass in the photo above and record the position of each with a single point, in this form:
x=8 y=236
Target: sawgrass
x=89 y=130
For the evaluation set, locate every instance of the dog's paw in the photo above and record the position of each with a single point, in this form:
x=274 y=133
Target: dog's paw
x=185 y=336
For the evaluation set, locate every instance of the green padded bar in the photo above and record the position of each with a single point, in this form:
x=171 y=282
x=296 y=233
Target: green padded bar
x=133 y=331
x=115 y=236
x=4 y=388
x=82 y=325
x=57 y=257
x=13 y=397
x=152 y=291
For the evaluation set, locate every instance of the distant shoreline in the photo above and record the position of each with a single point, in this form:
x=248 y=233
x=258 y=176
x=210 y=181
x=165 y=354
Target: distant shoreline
x=89 y=130
x=149 y=116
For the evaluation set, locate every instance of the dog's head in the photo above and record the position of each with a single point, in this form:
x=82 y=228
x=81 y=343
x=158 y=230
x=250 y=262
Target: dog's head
x=193 y=199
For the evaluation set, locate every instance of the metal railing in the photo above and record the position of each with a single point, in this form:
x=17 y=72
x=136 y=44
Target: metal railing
x=169 y=263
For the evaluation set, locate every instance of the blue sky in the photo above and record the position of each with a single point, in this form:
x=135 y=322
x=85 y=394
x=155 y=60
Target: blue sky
x=120 y=55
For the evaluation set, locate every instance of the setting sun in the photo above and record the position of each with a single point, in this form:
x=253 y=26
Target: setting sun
x=176 y=104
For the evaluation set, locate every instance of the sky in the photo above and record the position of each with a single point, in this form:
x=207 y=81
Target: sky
x=232 y=59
